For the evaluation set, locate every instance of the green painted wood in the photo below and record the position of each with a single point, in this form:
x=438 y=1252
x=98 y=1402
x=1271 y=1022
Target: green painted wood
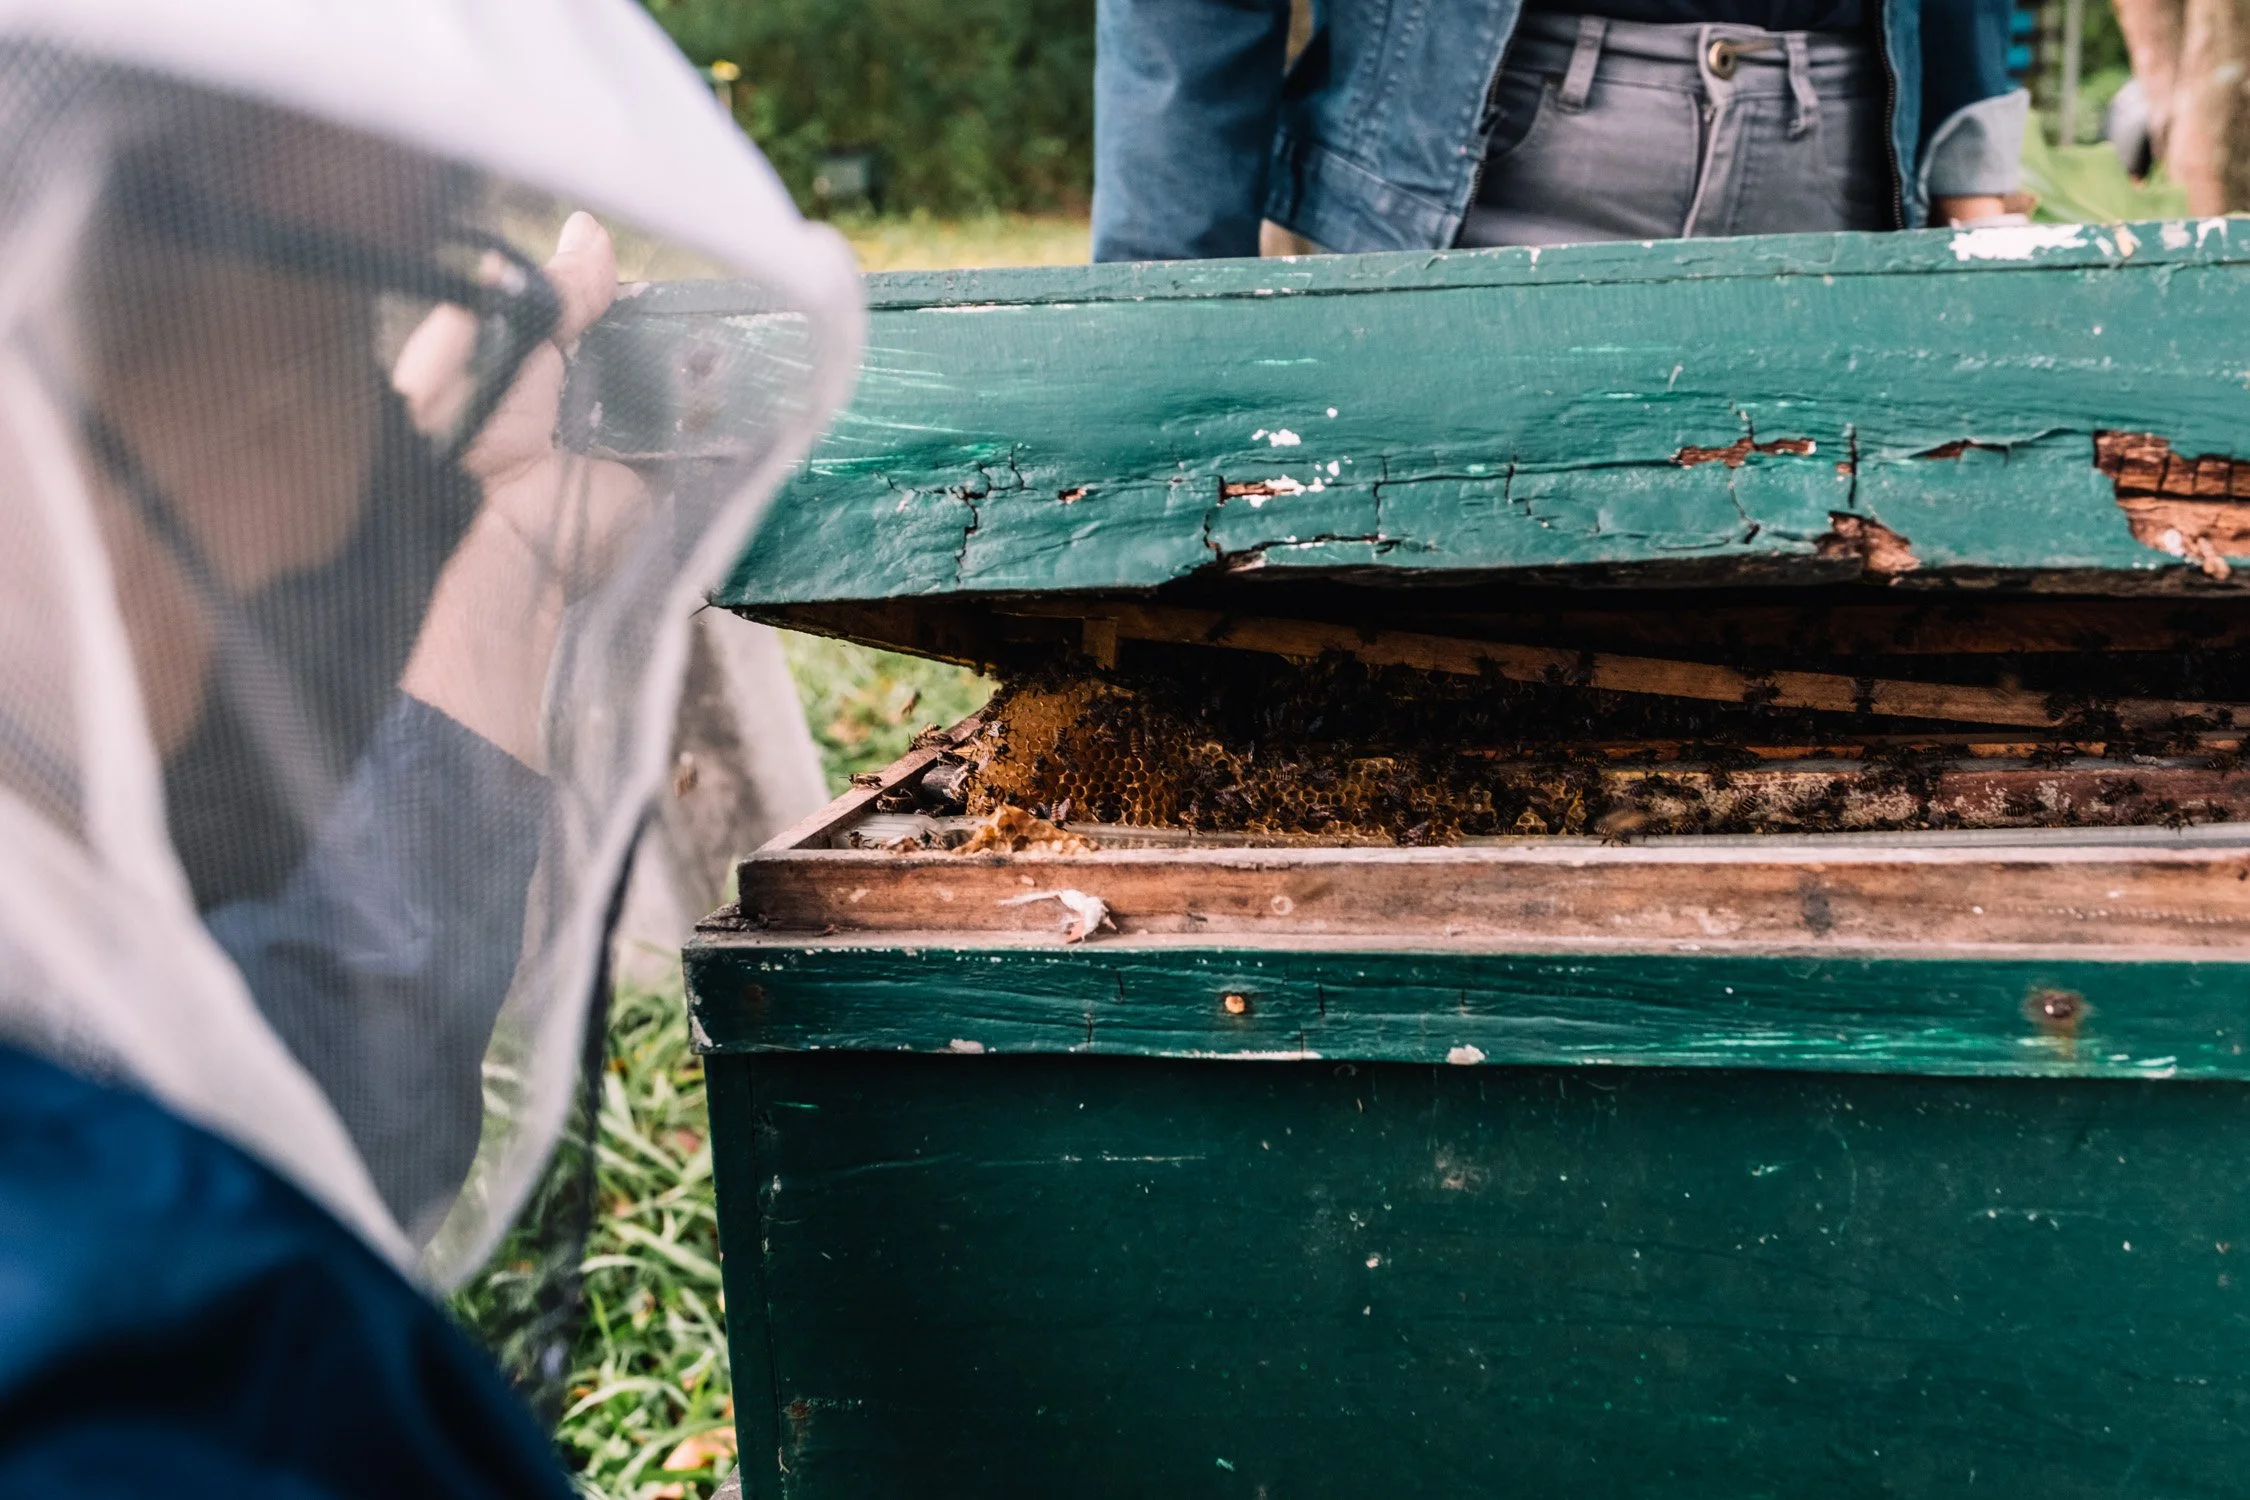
x=1086 y=1276
x=1494 y=411
x=731 y=1094
x=2136 y=1015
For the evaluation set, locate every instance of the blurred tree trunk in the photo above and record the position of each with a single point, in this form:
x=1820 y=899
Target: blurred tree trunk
x=2192 y=58
x=744 y=768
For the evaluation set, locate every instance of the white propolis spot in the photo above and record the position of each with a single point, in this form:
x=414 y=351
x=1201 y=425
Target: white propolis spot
x=1085 y=913
x=1334 y=468
x=1466 y=1057
x=2205 y=228
x=2177 y=235
x=2127 y=241
x=1332 y=411
x=2016 y=241
x=1282 y=437
x=958 y=1045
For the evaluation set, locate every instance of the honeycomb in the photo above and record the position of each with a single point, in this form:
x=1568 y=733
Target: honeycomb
x=1332 y=751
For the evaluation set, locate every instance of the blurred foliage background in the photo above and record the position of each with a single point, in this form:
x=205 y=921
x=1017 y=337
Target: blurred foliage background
x=2088 y=185
x=865 y=706
x=920 y=242
x=2081 y=179
x=2102 y=71
x=969 y=106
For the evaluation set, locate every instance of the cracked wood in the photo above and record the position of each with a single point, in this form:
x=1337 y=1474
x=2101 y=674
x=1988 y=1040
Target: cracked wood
x=1487 y=411
x=2196 y=509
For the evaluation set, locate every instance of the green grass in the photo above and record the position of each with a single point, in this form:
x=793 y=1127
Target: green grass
x=650 y=1407
x=2088 y=185
x=920 y=243
x=648 y=1411
x=647 y=1407
x=866 y=706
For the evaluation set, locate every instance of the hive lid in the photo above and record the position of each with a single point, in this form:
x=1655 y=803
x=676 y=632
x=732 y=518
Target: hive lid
x=2027 y=409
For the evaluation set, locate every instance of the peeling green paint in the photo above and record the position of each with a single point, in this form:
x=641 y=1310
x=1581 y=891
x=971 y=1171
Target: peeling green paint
x=1499 y=410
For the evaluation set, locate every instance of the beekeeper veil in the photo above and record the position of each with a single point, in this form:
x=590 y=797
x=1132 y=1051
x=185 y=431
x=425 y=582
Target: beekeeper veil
x=337 y=656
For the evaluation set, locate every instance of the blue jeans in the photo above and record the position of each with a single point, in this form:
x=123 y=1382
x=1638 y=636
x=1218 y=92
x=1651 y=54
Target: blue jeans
x=1614 y=130
x=1375 y=139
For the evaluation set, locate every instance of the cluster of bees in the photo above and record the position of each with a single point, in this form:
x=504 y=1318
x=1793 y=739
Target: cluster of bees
x=1335 y=752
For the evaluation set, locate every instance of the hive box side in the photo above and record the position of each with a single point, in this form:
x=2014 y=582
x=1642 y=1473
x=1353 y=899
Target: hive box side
x=1040 y=1276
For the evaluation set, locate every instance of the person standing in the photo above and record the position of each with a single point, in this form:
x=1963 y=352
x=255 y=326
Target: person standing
x=1498 y=122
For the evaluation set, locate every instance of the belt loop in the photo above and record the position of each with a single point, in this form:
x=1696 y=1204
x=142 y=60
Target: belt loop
x=1807 y=112
x=1580 y=78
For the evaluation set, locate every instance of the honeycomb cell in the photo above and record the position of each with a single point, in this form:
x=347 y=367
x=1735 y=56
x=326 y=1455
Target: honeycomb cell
x=1332 y=751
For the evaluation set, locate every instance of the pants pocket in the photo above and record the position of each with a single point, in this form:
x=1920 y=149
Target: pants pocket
x=1520 y=101
x=1622 y=167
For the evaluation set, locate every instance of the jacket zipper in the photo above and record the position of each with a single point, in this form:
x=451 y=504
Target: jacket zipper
x=1890 y=118
x=1485 y=122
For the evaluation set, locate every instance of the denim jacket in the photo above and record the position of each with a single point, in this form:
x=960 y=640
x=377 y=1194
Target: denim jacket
x=1373 y=139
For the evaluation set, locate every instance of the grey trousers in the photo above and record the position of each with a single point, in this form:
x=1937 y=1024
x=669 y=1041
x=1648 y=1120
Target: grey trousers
x=1616 y=130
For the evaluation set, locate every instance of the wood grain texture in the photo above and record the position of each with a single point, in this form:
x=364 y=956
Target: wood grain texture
x=1737 y=898
x=1949 y=626
x=1064 y=1276
x=2137 y=1013
x=816 y=826
x=1508 y=411
x=1657 y=676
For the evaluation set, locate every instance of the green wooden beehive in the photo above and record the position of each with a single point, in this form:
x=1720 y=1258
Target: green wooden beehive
x=1845 y=1093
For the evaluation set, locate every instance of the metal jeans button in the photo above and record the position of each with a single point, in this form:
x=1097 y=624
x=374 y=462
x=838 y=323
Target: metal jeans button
x=1723 y=56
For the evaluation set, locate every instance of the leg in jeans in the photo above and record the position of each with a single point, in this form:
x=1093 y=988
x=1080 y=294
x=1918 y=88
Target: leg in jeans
x=1614 y=130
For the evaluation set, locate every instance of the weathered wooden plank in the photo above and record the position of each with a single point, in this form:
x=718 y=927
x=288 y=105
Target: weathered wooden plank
x=2087 y=1012
x=2062 y=247
x=1500 y=411
x=1823 y=892
x=1811 y=626
x=1951 y=626
x=816 y=826
x=1025 y=1276
x=1664 y=677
